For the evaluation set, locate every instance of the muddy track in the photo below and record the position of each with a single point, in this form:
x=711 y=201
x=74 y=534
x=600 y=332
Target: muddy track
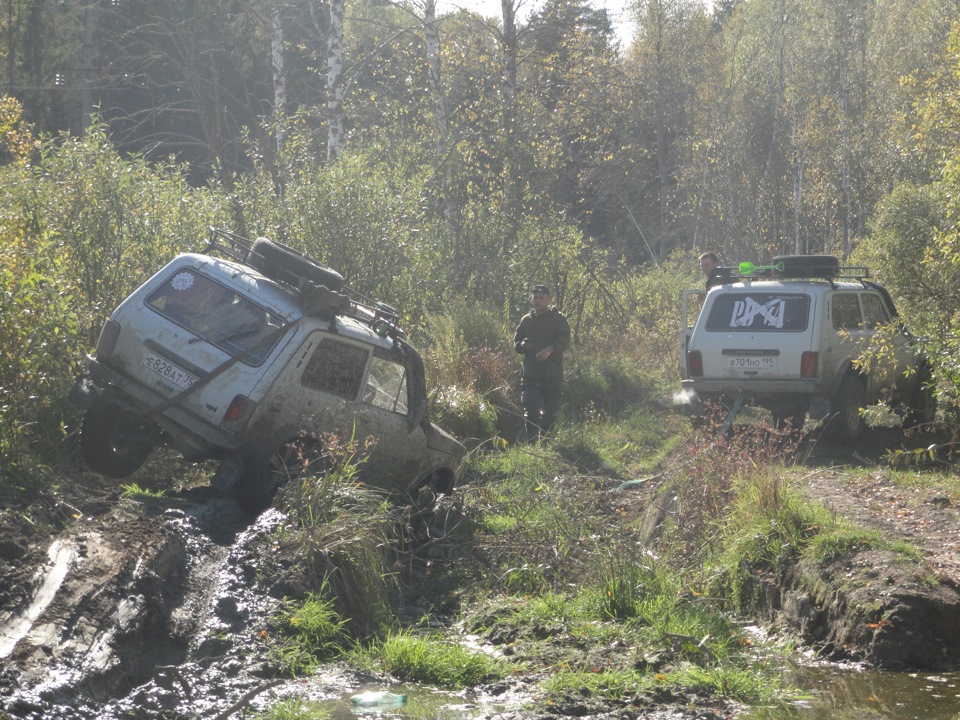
x=155 y=608
x=156 y=612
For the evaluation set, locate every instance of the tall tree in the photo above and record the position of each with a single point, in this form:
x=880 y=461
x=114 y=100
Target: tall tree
x=335 y=80
x=665 y=63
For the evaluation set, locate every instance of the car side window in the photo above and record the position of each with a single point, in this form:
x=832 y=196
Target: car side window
x=846 y=311
x=386 y=385
x=336 y=368
x=874 y=314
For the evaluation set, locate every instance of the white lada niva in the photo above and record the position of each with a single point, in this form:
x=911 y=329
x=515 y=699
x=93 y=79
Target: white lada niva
x=247 y=354
x=787 y=337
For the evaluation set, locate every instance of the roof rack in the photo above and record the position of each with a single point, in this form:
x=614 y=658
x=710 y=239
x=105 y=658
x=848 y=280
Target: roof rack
x=236 y=247
x=382 y=318
x=794 y=267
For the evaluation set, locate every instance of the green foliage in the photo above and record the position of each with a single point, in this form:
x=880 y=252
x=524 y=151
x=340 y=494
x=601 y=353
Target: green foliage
x=307 y=632
x=464 y=412
x=133 y=490
x=294 y=708
x=841 y=540
x=432 y=660
x=469 y=358
x=117 y=220
x=16 y=138
x=39 y=347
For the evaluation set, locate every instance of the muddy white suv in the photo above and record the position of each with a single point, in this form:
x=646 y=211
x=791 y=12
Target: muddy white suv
x=246 y=354
x=786 y=337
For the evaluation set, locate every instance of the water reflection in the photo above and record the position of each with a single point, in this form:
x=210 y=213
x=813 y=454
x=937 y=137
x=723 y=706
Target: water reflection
x=852 y=694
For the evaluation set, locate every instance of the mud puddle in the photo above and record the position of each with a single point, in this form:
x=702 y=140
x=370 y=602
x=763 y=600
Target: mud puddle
x=157 y=610
x=835 y=692
x=151 y=611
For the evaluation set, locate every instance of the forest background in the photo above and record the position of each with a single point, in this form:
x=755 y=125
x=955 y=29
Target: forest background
x=444 y=164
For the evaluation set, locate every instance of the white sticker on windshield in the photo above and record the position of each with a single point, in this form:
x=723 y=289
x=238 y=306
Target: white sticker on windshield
x=746 y=311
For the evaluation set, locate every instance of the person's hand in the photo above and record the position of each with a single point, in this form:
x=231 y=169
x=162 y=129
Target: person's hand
x=545 y=353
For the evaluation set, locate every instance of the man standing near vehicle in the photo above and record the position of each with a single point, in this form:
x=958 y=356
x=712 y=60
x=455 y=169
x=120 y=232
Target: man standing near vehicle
x=710 y=264
x=542 y=336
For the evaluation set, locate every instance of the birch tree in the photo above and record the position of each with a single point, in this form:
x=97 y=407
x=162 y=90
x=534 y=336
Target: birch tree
x=335 y=80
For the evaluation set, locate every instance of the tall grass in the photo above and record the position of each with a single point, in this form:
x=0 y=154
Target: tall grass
x=342 y=538
x=431 y=659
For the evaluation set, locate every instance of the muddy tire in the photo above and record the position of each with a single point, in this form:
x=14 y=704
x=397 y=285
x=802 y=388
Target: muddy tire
x=789 y=421
x=922 y=407
x=289 y=266
x=258 y=486
x=113 y=441
x=847 y=425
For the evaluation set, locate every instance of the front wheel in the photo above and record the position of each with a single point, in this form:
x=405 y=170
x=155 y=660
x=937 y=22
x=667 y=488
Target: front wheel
x=114 y=442
x=848 y=425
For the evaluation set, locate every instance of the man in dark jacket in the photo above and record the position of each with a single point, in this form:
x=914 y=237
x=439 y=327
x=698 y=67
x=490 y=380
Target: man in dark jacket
x=542 y=336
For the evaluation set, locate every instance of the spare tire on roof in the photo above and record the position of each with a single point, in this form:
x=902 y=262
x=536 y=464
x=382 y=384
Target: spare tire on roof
x=284 y=264
x=810 y=266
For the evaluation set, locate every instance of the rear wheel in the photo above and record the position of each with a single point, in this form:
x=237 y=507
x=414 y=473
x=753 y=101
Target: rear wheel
x=264 y=476
x=114 y=442
x=922 y=409
x=791 y=421
x=847 y=425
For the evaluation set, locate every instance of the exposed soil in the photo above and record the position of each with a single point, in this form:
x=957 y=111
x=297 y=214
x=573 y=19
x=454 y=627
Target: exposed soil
x=157 y=609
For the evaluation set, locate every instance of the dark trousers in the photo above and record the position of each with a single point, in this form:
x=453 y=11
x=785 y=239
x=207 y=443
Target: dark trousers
x=541 y=403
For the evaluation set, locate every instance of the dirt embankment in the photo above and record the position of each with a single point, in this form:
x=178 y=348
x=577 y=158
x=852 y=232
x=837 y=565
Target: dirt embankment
x=879 y=606
x=157 y=608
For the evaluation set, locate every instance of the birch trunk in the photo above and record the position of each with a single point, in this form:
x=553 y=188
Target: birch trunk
x=279 y=81
x=335 y=81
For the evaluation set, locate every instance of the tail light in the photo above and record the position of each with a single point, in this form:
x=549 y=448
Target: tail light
x=809 y=364
x=107 y=341
x=238 y=413
x=694 y=363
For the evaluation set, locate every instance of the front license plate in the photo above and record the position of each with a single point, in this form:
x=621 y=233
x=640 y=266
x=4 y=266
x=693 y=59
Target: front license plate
x=168 y=371
x=753 y=363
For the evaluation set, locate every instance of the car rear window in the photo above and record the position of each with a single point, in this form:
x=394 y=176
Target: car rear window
x=759 y=312
x=217 y=314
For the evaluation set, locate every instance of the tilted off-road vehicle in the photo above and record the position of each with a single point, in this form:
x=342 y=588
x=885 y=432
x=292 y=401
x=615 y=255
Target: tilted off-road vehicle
x=246 y=354
x=787 y=337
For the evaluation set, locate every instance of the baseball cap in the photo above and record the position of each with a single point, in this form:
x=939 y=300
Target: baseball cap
x=541 y=289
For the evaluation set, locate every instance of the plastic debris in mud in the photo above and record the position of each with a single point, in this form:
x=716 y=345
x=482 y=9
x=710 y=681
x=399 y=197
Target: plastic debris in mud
x=378 y=698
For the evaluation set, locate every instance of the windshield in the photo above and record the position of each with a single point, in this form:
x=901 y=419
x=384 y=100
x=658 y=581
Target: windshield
x=217 y=314
x=759 y=312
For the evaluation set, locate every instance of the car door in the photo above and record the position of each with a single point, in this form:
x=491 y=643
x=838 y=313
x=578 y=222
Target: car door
x=857 y=316
x=319 y=391
x=400 y=455
x=900 y=355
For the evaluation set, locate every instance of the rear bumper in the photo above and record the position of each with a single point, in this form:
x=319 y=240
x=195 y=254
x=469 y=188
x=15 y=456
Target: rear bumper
x=785 y=396
x=190 y=434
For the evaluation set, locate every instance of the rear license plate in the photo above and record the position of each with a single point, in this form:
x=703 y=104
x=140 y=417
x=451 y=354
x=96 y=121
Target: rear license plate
x=752 y=363
x=171 y=373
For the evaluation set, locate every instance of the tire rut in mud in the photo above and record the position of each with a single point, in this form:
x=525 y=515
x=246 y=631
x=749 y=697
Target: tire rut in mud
x=154 y=613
